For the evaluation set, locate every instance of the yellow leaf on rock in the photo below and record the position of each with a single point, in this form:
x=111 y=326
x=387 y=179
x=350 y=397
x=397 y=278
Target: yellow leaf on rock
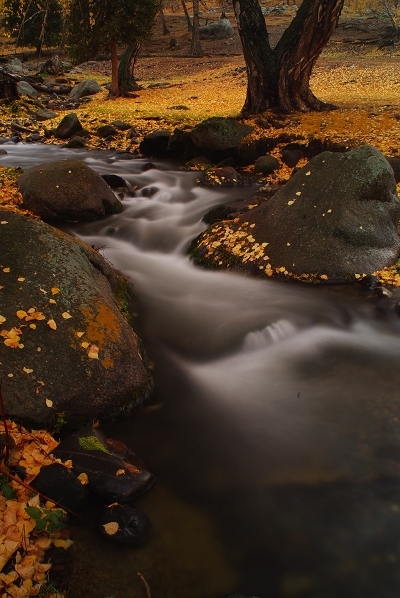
x=49 y=403
x=21 y=279
x=93 y=352
x=85 y=344
x=6 y=270
x=61 y=543
x=2 y=319
x=55 y=290
x=21 y=314
x=52 y=301
x=83 y=478
x=52 y=324
x=120 y=472
x=80 y=334
x=66 y=315
x=111 y=528
x=27 y=370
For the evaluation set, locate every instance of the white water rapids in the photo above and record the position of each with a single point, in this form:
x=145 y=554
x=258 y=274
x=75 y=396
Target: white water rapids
x=276 y=413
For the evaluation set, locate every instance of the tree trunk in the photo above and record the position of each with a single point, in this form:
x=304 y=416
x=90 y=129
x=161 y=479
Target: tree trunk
x=165 y=30
x=280 y=77
x=114 y=90
x=126 y=70
x=195 y=45
x=185 y=10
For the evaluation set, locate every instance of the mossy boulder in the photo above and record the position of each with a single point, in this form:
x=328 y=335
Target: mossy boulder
x=66 y=190
x=219 y=134
x=335 y=220
x=67 y=352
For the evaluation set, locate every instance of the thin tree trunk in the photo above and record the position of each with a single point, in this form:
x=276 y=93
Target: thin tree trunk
x=165 y=30
x=114 y=91
x=195 y=45
x=126 y=69
x=185 y=10
x=280 y=78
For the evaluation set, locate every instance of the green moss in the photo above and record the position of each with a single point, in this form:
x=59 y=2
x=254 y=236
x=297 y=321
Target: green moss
x=92 y=443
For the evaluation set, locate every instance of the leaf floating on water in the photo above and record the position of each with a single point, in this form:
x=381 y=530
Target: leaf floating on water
x=49 y=403
x=93 y=352
x=111 y=528
x=52 y=324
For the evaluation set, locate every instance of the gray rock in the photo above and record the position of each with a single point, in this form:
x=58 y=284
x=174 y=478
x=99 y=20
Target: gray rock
x=121 y=125
x=66 y=190
x=335 y=218
x=74 y=385
x=44 y=114
x=106 y=131
x=225 y=176
x=219 y=30
x=85 y=88
x=218 y=133
x=26 y=89
x=69 y=125
x=266 y=165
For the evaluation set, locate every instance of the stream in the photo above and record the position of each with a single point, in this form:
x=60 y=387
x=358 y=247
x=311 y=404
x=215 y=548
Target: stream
x=274 y=430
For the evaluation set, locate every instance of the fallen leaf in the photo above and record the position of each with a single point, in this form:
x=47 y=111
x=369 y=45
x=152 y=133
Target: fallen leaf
x=6 y=269
x=33 y=326
x=52 y=324
x=93 y=352
x=49 y=403
x=83 y=478
x=120 y=472
x=2 y=319
x=21 y=279
x=111 y=528
x=66 y=315
x=85 y=345
x=80 y=334
x=52 y=301
x=27 y=370
x=55 y=290
x=43 y=291
x=21 y=314
x=4 y=222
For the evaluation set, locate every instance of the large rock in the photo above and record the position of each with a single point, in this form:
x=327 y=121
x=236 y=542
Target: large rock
x=68 y=354
x=222 y=29
x=25 y=89
x=334 y=220
x=218 y=134
x=155 y=144
x=84 y=88
x=68 y=126
x=66 y=190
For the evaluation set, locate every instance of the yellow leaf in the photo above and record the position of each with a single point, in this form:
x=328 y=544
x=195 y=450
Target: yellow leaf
x=2 y=319
x=55 y=291
x=4 y=222
x=80 y=334
x=31 y=310
x=66 y=315
x=120 y=472
x=52 y=301
x=111 y=528
x=6 y=269
x=93 y=352
x=83 y=478
x=52 y=324
x=49 y=403
x=27 y=370
x=21 y=279
x=61 y=543
x=85 y=345
x=21 y=314
x=43 y=291
x=33 y=326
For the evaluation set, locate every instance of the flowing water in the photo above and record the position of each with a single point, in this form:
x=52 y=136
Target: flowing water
x=274 y=430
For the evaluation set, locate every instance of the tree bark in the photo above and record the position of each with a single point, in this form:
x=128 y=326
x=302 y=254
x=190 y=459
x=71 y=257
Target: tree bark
x=114 y=90
x=185 y=10
x=126 y=70
x=195 y=45
x=280 y=77
x=165 y=30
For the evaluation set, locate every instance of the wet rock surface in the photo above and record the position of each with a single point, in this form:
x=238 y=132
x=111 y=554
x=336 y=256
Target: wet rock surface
x=66 y=190
x=65 y=349
x=334 y=219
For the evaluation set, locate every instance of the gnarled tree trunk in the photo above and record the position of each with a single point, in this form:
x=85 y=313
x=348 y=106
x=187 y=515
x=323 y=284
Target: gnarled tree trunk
x=126 y=69
x=280 y=77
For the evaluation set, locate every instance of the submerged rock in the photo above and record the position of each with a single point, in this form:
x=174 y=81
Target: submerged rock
x=115 y=474
x=125 y=525
x=334 y=220
x=68 y=354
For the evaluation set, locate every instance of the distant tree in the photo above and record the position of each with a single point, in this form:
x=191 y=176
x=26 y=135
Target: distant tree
x=33 y=22
x=195 y=45
x=95 y=25
x=187 y=16
x=280 y=77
